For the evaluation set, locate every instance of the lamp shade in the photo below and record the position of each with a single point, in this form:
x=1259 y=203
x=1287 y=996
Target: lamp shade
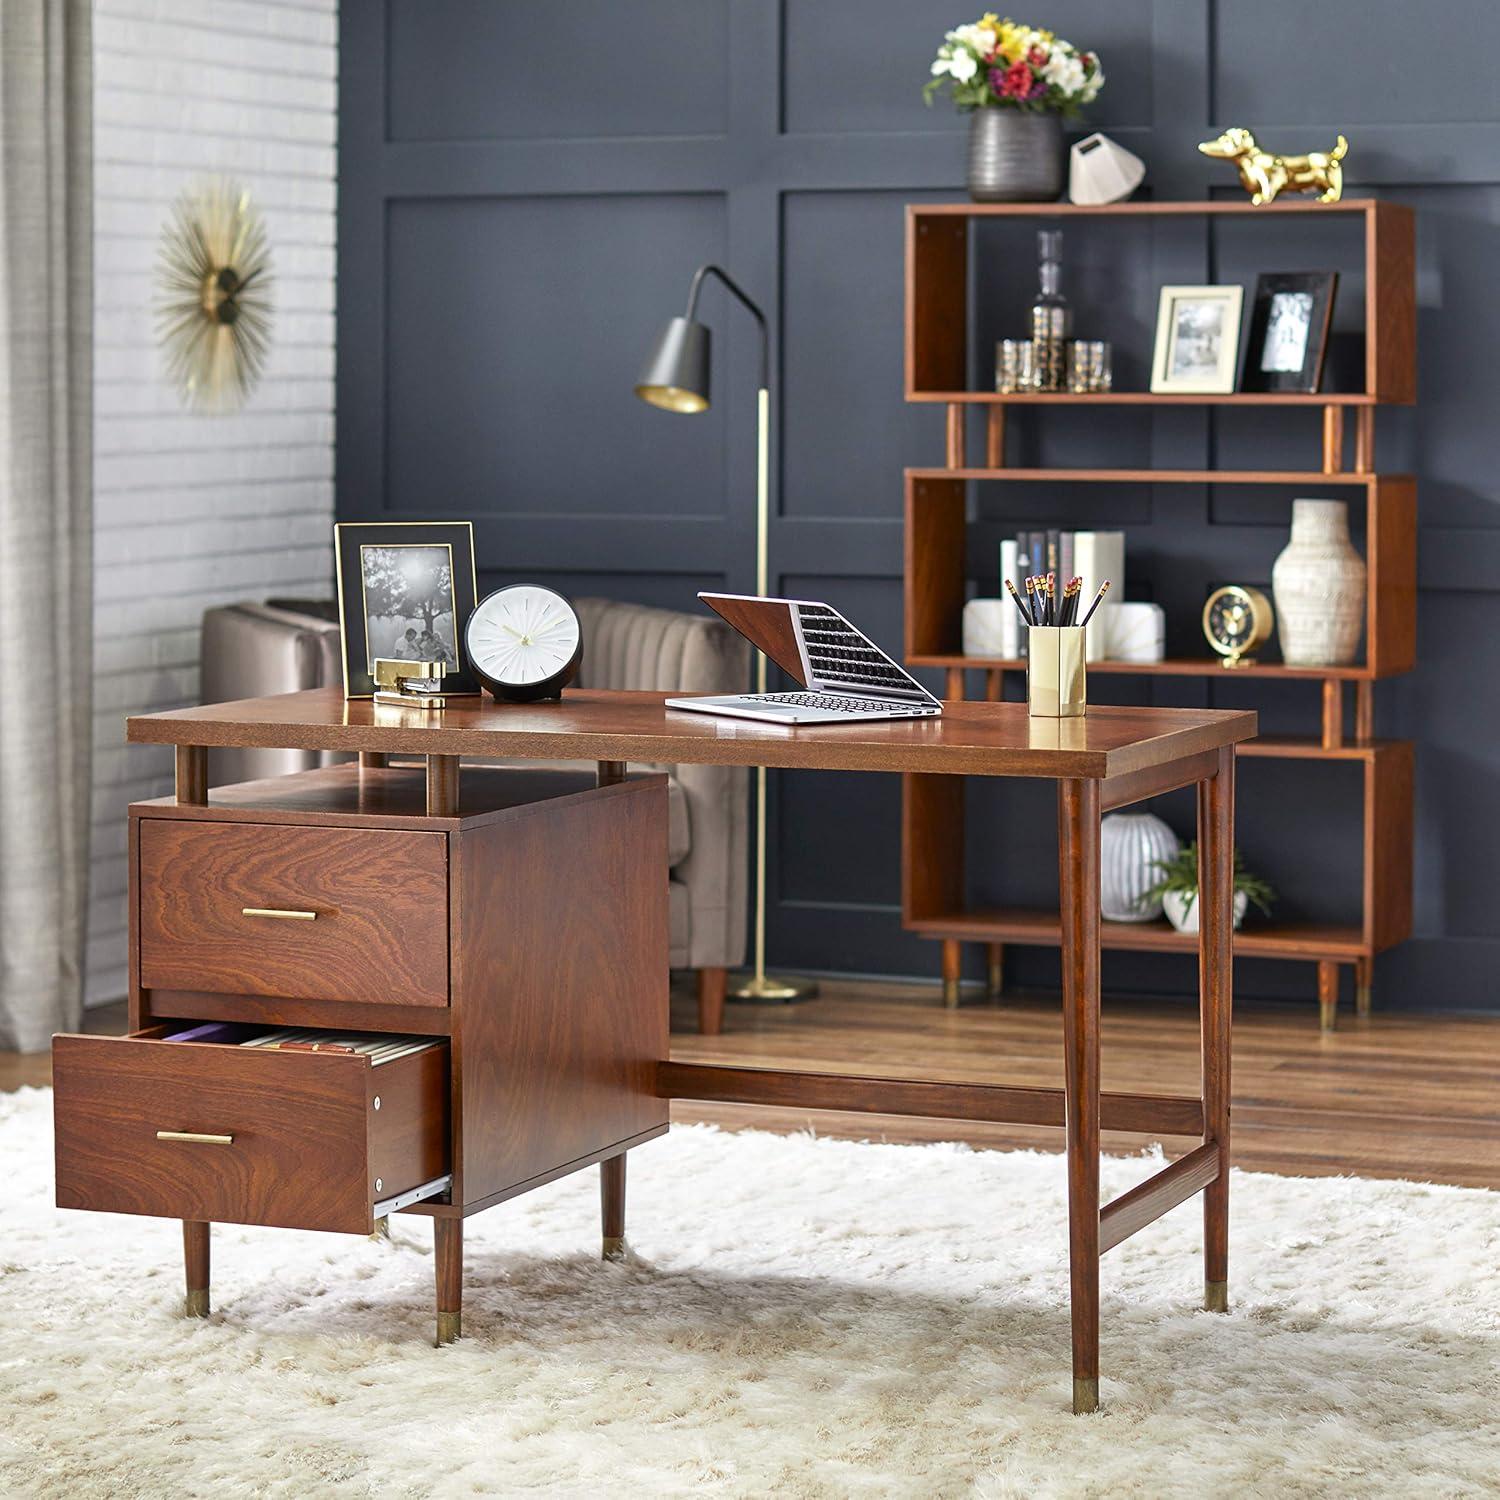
x=675 y=375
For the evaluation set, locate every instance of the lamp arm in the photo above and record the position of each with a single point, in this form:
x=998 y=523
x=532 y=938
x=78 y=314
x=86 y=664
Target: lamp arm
x=745 y=300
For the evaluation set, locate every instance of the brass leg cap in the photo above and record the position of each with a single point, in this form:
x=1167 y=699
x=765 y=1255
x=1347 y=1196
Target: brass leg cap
x=950 y=993
x=449 y=1326
x=614 y=1247
x=1085 y=1395
x=1362 y=1000
x=195 y=1303
x=382 y=1229
x=997 y=981
x=1328 y=1016
x=1216 y=1296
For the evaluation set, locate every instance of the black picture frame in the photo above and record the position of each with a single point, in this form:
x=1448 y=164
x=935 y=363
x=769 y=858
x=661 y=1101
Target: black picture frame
x=361 y=551
x=1289 y=320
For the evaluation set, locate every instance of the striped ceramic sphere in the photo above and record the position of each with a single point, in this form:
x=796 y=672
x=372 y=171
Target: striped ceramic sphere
x=1130 y=845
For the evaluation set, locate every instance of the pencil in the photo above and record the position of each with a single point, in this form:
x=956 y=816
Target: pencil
x=1021 y=608
x=1103 y=590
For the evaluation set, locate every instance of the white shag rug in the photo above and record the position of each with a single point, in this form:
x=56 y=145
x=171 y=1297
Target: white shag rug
x=802 y=1317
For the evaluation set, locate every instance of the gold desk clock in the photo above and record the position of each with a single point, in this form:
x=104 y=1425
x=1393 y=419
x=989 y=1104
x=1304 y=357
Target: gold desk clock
x=409 y=684
x=1237 y=620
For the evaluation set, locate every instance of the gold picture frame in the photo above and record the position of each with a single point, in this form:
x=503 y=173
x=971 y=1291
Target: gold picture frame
x=447 y=575
x=1197 y=340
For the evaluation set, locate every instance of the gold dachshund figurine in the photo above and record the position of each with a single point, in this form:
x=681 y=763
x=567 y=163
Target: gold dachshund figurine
x=1264 y=174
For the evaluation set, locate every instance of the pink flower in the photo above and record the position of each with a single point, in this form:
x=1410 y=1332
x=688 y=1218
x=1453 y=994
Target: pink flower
x=1037 y=57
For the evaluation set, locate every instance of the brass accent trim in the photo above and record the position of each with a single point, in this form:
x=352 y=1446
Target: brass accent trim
x=197 y=1137
x=1216 y=1296
x=1085 y=1396
x=613 y=1247
x=951 y=993
x=280 y=913
x=195 y=1303
x=450 y=1326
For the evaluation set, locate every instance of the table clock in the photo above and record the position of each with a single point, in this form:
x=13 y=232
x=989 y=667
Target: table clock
x=1236 y=620
x=524 y=643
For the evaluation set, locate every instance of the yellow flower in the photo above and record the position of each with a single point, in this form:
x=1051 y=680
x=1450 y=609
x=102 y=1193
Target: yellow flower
x=1013 y=40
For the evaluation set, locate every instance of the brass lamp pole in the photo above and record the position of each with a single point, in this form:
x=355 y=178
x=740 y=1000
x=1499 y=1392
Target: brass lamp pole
x=675 y=378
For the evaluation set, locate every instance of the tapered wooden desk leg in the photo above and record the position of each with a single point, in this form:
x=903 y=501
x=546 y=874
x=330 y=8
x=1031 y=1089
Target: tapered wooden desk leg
x=1078 y=868
x=612 y=1205
x=448 y=1258
x=711 y=985
x=195 y=1262
x=953 y=968
x=1216 y=1002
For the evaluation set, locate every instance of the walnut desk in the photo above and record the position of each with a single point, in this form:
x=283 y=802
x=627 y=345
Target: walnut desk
x=601 y=1055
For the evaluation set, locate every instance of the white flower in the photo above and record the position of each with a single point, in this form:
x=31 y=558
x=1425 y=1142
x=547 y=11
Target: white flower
x=984 y=40
x=963 y=67
x=940 y=66
x=1064 y=70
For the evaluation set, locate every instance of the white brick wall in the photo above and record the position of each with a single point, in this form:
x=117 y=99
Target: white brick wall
x=193 y=510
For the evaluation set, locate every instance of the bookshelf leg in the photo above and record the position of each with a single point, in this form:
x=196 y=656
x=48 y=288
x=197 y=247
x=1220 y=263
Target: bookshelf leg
x=195 y=1263
x=1328 y=995
x=1364 y=975
x=1216 y=1007
x=997 y=970
x=953 y=959
x=612 y=1206
x=448 y=1258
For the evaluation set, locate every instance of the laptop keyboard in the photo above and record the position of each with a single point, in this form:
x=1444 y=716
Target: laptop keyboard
x=840 y=705
x=835 y=649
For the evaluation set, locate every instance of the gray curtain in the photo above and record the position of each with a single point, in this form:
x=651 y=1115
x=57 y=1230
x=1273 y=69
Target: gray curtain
x=46 y=583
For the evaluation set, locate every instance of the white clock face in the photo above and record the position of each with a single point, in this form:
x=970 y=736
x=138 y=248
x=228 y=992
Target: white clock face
x=523 y=635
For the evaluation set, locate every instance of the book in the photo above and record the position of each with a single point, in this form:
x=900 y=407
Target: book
x=1098 y=555
x=1010 y=627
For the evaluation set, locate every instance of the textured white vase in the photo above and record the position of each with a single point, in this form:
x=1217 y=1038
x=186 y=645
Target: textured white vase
x=1319 y=583
x=1130 y=845
x=1185 y=918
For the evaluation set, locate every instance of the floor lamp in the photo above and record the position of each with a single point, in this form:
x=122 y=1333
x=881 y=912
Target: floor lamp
x=675 y=378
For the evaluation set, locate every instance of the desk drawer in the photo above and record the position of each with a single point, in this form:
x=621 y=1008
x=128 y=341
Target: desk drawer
x=356 y=914
x=300 y=1141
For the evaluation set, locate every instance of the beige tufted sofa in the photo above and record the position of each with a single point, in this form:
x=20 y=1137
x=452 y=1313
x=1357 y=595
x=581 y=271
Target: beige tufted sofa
x=249 y=650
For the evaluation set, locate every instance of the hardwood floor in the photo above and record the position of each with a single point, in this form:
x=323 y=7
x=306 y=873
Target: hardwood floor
x=1394 y=1096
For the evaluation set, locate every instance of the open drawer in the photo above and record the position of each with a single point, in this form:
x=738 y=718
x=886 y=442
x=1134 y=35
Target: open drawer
x=189 y=1130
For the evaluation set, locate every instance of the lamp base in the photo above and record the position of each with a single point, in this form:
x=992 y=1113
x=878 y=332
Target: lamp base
x=771 y=989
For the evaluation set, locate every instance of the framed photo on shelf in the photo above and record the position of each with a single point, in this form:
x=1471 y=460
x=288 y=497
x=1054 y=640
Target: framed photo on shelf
x=1289 y=331
x=1197 y=340
x=406 y=590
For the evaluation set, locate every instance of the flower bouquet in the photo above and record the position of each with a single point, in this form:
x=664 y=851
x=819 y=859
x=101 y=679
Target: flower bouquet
x=1017 y=84
x=996 y=64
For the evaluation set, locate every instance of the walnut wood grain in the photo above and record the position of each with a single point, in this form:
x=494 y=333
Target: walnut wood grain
x=559 y=984
x=380 y=898
x=1391 y=583
x=712 y=984
x=1157 y=1195
x=285 y=1111
x=448 y=1274
x=1216 y=1001
x=937 y=258
x=1390 y=789
x=275 y=1010
x=191 y=775
x=926 y=1098
x=934 y=568
x=981 y=739
x=766 y=624
x=409 y=1129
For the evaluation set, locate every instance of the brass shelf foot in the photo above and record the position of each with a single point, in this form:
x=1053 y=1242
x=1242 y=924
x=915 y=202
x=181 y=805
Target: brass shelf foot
x=382 y=1229
x=950 y=993
x=1362 y=995
x=1328 y=1015
x=195 y=1303
x=613 y=1247
x=1216 y=1296
x=1085 y=1395
x=449 y=1326
x=997 y=981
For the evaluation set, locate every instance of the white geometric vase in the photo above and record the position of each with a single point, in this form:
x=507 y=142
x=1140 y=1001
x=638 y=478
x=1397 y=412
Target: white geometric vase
x=1102 y=171
x=1130 y=845
x=1319 y=586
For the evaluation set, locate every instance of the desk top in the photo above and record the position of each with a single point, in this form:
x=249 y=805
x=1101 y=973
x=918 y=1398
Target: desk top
x=974 y=739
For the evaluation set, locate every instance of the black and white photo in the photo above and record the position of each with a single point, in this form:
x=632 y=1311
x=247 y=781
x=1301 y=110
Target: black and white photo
x=1288 y=337
x=1197 y=340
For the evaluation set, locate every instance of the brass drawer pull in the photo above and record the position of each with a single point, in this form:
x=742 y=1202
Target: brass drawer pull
x=281 y=913
x=195 y=1136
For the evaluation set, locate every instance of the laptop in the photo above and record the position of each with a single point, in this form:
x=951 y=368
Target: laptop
x=846 y=678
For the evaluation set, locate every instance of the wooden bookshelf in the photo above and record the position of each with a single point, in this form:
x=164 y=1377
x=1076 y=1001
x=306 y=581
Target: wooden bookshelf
x=937 y=586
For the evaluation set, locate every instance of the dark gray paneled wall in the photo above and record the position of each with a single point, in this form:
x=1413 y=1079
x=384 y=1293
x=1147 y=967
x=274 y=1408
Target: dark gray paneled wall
x=526 y=187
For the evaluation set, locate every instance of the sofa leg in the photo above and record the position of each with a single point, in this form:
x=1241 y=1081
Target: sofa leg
x=711 y=983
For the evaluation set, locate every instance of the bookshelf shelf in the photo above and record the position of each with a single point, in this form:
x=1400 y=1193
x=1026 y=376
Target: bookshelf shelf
x=937 y=583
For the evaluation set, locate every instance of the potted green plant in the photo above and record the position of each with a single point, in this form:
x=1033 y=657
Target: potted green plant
x=1017 y=84
x=1178 y=889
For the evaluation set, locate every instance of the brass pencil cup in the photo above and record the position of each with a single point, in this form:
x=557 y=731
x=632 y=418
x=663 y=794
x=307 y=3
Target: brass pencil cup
x=1056 y=679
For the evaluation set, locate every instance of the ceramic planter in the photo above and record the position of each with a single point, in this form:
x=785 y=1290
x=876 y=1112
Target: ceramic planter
x=1319 y=584
x=1015 y=157
x=1185 y=918
x=1130 y=845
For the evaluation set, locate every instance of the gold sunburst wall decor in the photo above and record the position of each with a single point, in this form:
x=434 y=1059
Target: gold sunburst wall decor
x=213 y=311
